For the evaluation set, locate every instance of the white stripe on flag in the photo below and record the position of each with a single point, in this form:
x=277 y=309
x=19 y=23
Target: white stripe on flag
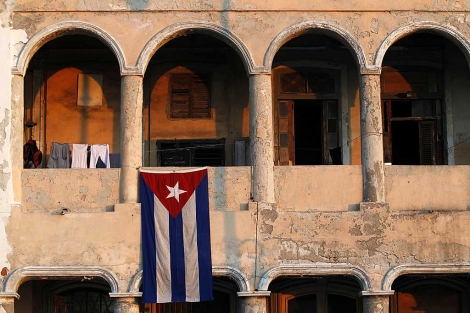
x=191 y=263
x=162 y=240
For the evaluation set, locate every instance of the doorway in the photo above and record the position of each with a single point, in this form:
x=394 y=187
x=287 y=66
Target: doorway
x=412 y=132
x=308 y=129
x=307 y=132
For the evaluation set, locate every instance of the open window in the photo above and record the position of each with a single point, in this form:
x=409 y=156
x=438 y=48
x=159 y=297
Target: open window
x=208 y=152
x=307 y=132
x=412 y=117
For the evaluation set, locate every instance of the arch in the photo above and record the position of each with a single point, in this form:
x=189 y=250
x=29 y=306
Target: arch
x=66 y=28
x=446 y=31
x=326 y=27
x=20 y=275
x=230 y=272
x=195 y=27
x=406 y=269
x=315 y=269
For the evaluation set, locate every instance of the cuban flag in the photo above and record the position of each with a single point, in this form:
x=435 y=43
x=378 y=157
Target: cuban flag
x=176 y=248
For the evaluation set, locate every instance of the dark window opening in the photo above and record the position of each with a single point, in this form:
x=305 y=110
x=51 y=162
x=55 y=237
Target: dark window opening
x=181 y=153
x=308 y=82
x=308 y=132
x=412 y=132
x=190 y=96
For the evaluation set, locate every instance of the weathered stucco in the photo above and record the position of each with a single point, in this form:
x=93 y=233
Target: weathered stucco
x=427 y=187
x=77 y=190
x=318 y=188
x=365 y=219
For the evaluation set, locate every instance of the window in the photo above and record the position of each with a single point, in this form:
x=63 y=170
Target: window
x=308 y=82
x=190 y=96
x=307 y=132
x=202 y=152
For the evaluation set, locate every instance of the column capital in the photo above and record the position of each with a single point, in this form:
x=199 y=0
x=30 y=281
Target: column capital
x=261 y=293
x=371 y=70
x=124 y=295
x=132 y=71
x=260 y=70
x=9 y=295
x=373 y=293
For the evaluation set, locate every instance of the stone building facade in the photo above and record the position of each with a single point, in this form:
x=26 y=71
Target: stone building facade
x=336 y=135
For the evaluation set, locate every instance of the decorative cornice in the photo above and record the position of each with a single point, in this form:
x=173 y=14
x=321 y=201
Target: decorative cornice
x=53 y=31
x=201 y=27
x=407 y=269
x=315 y=269
x=20 y=275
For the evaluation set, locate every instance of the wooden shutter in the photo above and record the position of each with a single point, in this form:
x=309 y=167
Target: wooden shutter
x=180 y=95
x=331 y=146
x=200 y=100
x=285 y=132
x=427 y=142
x=190 y=96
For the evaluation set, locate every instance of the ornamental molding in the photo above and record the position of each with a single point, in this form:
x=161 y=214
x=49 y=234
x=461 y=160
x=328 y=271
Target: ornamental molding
x=23 y=274
x=315 y=269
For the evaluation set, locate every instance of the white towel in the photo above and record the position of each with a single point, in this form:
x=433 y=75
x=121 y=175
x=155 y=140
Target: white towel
x=79 y=155
x=99 y=151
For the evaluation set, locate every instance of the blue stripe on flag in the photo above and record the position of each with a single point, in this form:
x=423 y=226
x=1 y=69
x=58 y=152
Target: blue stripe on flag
x=178 y=286
x=204 y=241
x=149 y=280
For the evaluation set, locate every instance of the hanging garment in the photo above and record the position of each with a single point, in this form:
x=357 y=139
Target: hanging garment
x=79 y=155
x=60 y=156
x=99 y=151
x=32 y=156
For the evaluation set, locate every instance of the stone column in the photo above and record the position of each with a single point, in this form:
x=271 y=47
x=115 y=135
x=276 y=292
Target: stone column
x=372 y=139
x=376 y=302
x=7 y=304
x=126 y=305
x=253 y=302
x=261 y=137
x=17 y=133
x=131 y=136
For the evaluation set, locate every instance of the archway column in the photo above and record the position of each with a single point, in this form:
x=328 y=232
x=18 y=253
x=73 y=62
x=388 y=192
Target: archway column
x=131 y=136
x=376 y=302
x=253 y=302
x=125 y=303
x=16 y=134
x=261 y=137
x=373 y=176
x=7 y=303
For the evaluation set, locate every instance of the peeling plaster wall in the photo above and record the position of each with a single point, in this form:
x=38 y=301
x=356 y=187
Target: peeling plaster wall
x=341 y=5
x=133 y=30
x=427 y=221
x=89 y=235
x=75 y=189
x=10 y=42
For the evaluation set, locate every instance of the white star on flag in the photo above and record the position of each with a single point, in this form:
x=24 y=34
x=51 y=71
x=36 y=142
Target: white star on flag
x=175 y=192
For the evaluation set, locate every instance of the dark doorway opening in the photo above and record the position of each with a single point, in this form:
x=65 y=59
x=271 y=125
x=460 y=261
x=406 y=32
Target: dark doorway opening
x=405 y=143
x=308 y=121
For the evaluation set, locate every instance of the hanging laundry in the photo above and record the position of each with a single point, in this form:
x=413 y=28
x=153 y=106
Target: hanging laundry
x=60 y=156
x=79 y=155
x=32 y=156
x=99 y=151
